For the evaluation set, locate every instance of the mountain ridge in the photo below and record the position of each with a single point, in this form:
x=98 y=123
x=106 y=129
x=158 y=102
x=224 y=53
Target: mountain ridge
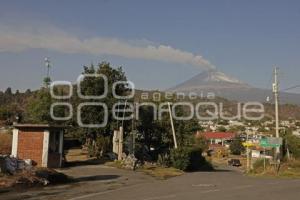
x=228 y=87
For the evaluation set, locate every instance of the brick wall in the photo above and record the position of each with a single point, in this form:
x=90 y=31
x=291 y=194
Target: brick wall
x=30 y=145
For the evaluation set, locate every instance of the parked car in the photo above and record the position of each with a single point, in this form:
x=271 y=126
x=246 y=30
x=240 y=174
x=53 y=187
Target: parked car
x=234 y=162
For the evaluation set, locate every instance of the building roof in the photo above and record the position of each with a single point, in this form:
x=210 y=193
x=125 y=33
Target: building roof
x=218 y=135
x=50 y=126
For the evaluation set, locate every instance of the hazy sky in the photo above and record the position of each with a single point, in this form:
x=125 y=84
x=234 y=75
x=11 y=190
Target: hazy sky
x=158 y=43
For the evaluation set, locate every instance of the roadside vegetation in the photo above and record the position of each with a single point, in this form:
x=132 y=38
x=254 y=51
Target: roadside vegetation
x=154 y=146
x=287 y=169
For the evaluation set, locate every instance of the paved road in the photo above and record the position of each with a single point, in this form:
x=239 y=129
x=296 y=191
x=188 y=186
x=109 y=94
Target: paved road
x=124 y=185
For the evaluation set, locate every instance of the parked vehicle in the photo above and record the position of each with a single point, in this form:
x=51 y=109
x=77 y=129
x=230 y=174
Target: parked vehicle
x=234 y=162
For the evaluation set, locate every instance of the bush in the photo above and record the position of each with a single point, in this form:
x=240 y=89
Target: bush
x=99 y=147
x=180 y=158
x=164 y=160
x=189 y=159
x=293 y=143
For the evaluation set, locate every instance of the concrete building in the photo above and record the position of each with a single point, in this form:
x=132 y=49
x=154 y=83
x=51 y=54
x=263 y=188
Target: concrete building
x=42 y=143
x=217 y=138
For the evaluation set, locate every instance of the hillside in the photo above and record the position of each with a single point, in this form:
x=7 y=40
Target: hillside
x=14 y=104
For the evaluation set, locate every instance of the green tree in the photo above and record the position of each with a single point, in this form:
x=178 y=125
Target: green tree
x=293 y=144
x=154 y=133
x=223 y=122
x=221 y=129
x=201 y=143
x=95 y=114
x=236 y=147
x=8 y=91
x=38 y=109
x=186 y=130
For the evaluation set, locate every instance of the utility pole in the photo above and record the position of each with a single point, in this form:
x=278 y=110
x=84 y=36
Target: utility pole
x=133 y=133
x=275 y=91
x=248 y=154
x=172 y=124
x=121 y=134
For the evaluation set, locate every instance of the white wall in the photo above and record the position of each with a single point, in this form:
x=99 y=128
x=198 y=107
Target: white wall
x=45 y=148
x=14 y=148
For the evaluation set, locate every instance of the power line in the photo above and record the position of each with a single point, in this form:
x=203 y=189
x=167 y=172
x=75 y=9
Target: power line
x=266 y=93
x=292 y=87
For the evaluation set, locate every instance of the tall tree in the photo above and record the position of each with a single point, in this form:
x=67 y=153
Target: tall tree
x=38 y=109
x=95 y=86
x=8 y=91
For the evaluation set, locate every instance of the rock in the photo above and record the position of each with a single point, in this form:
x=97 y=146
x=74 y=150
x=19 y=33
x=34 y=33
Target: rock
x=44 y=181
x=130 y=162
x=124 y=156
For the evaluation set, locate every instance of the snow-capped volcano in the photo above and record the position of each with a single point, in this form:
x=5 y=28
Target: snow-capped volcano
x=211 y=79
x=222 y=85
x=216 y=76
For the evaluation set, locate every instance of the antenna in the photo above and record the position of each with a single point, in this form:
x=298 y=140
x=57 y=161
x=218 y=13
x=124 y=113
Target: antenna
x=47 y=79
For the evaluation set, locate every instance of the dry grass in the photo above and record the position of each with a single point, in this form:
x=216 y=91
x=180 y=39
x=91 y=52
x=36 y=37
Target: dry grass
x=290 y=169
x=161 y=172
x=5 y=143
x=116 y=164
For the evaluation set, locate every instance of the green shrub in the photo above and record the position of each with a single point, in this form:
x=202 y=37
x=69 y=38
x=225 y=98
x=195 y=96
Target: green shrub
x=164 y=160
x=236 y=147
x=189 y=159
x=293 y=143
x=180 y=158
x=101 y=146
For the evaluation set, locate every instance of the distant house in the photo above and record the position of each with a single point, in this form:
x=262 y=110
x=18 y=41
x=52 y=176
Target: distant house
x=296 y=132
x=42 y=143
x=217 y=138
x=235 y=123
